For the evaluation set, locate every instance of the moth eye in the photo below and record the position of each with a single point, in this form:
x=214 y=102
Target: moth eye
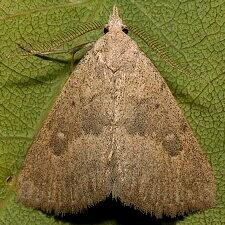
x=125 y=30
x=106 y=30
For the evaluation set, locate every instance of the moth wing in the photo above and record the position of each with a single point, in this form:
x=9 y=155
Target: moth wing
x=67 y=166
x=161 y=167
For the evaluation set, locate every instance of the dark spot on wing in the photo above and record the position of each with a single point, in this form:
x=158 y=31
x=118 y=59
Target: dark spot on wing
x=59 y=142
x=138 y=123
x=170 y=141
x=93 y=121
x=137 y=126
x=62 y=134
x=172 y=144
x=59 y=138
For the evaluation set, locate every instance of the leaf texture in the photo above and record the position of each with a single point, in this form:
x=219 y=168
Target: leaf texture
x=190 y=34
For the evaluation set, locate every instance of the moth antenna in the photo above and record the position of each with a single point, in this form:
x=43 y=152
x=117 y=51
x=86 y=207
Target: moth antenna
x=75 y=33
x=71 y=35
x=159 y=50
x=56 y=43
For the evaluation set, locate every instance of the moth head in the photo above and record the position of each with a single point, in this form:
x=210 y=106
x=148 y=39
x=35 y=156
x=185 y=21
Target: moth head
x=115 y=22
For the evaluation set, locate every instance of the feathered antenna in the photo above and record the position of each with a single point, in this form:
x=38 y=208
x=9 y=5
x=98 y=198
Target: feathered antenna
x=151 y=43
x=71 y=35
x=51 y=47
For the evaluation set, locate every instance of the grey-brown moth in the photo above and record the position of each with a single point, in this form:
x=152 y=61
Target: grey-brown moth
x=116 y=129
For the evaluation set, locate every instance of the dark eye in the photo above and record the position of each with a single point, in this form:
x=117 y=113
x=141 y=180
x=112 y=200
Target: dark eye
x=125 y=30
x=106 y=30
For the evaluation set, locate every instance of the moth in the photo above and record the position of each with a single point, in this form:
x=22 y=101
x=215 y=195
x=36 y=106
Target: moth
x=116 y=129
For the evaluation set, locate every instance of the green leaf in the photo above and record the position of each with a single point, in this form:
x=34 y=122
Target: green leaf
x=192 y=34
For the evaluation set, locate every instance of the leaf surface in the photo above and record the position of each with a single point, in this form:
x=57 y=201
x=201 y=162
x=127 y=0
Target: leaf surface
x=190 y=34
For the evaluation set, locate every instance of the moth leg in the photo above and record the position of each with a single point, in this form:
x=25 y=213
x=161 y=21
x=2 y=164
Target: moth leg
x=44 y=55
x=75 y=52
